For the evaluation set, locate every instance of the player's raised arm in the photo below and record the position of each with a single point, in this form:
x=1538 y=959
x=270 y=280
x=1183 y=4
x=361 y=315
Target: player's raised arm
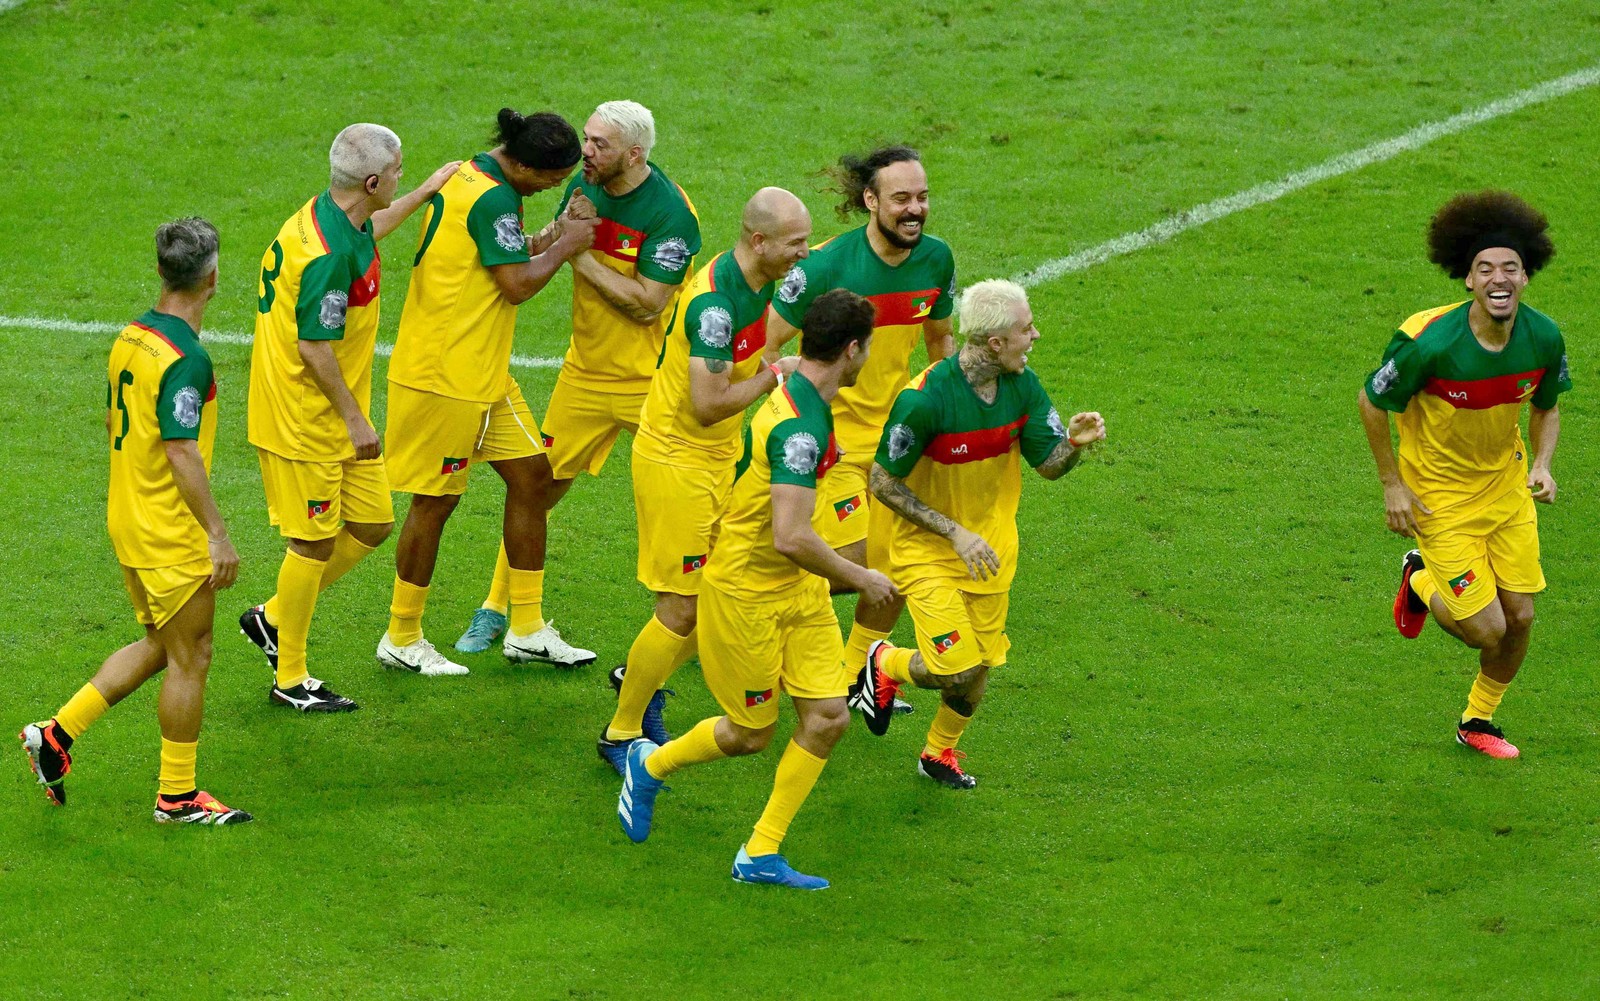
x=387 y=220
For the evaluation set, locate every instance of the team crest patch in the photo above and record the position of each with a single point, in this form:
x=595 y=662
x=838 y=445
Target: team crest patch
x=1383 y=380
x=1564 y=375
x=671 y=254
x=314 y=508
x=1458 y=585
x=1057 y=428
x=945 y=642
x=753 y=699
x=186 y=407
x=800 y=453
x=716 y=327
x=794 y=284
x=901 y=441
x=451 y=465
x=693 y=563
x=548 y=440
x=508 y=233
x=846 y=508
x=331 y=312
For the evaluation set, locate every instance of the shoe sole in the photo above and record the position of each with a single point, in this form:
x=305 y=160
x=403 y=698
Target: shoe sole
x=324 y=707
x=400 y=665
x=761 y=882
x=531 y=658
x=1511 y=757
x=1402 y=604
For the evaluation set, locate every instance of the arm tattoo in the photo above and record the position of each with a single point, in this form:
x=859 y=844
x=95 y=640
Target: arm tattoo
x=894 y=492
x=1061 y=460
x=716 y=366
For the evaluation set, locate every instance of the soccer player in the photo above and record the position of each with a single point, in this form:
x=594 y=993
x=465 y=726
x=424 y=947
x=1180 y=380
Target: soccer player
x=910 y=277
x=949 y=467
x=765 y=618
x=311 y=396
x=689 y=442
x=452 y=400
x=168 y=535
x=1456 y=377
x=623 y=292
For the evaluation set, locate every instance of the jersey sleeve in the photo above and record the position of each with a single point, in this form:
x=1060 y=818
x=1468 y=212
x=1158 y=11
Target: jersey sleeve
x=1045 y=429
x=1557 y=378
x=495 y=223
x=912 y=423
x=794 y=450
x=324 y=297
x=946 y=303
x=667 y=250
x=804 y=282
x=184 y=387
x=708 y=323
x=1401 y=376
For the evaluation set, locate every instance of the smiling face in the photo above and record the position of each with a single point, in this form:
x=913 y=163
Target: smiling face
x=1496 y=282
x=1011 y=345
x=898 y=202
x=787 y=244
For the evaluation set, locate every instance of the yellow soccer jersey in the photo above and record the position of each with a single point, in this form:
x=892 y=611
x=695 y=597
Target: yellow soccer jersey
x=1459 y=403
x=319 y=282
x=651 y=232
x=962 y=457
x=718 y=317
x=456 y=327
x=789 y=441
x=159 y=387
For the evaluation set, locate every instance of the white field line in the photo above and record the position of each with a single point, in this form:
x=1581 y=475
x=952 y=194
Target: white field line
x=1345 y=163
x=210 y=336
x=6 y=5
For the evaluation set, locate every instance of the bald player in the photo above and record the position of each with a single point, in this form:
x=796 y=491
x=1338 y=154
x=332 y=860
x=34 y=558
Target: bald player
x=690 y=440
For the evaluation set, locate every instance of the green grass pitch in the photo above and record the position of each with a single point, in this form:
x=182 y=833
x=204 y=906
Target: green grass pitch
x=1212 y=770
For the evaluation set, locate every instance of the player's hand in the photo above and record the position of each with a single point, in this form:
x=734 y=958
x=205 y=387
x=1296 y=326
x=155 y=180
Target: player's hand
x=436 y=180
x=224 y=564
x=1400 y=506
x=365 y=439
x=580 y=207
x=1085 y=429
x=875 y=588
x=1543 y=486
x=981 y=561
x=577 y=235
x=786 y=366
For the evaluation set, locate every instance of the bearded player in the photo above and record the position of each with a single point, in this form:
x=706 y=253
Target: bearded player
x=909 y=277
x=949 y=468
x=766 y=622
x=623 y=292
x=690 y=439
x=311 y=396
x=1456 y=377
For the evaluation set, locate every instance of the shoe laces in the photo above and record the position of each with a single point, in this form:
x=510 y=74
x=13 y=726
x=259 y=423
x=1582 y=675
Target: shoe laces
x=888 y=688
x=951 y=759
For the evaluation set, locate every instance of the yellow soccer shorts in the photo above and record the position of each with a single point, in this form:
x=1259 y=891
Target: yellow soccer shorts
x=159 y=593
x=750 y=649
x=677 y=510
x=1493 y=549
x=581 y=425
x=843 y=501
x=433 y=440
x=957 y=630
x=310 y=500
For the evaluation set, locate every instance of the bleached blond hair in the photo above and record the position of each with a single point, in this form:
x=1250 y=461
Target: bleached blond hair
x=990 y=307
x=358 y=152
x=634 y=123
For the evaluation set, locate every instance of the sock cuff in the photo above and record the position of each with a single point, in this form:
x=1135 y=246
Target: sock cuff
x=657 y=624
x=1490 y=685
x=944 y=707
x=795 y=748
x=346 y=539
x=409 y=599
x=871 y=635
x=306 y=561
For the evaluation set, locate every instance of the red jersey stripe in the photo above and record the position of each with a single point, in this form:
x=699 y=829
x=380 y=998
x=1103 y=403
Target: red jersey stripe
x=898 y=309
x=953 y=448
x=1484 y=394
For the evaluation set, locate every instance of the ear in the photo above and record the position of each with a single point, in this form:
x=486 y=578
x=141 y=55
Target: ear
x=373 y=181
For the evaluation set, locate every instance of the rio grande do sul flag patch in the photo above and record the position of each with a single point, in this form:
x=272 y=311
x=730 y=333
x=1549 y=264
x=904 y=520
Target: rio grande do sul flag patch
x=316 y=507
x=945 y=642
x=452 y=465
x=753 y=699
x=693 y=563
x=846 y=508
x=1459 y=584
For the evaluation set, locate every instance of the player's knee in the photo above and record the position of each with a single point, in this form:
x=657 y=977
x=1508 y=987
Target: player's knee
x=1519 y=619
x=829 y=722
x=370 y=535
x=678 y=612
x=747 y=741
x=435 y=509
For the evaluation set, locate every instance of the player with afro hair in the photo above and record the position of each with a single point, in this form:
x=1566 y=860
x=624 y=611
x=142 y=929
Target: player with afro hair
x=1469 y=224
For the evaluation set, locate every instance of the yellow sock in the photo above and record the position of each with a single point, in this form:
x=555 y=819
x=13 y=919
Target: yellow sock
x=81 y=710
x=1423 y=586
x=527 y=601
x=945 y=730
x=693 y=748
x=500 y=587
x=299 y=580
x=1484 y=698
x=798 y=771
x=855 y=648
x=895 y=661
x=656 y=652
x=347 y=552
x=405 y=612
x=177 y=767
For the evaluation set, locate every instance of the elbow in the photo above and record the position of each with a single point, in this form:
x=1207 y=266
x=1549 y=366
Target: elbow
x=787 y=543
x=644 y=314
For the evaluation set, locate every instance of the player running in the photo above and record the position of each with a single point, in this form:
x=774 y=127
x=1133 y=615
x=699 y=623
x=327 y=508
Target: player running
x=311 y=396
x=165 y=527
x=1457 y=377
x=949 y=467
x=910 y=277
x=689 y=442
x=766 y=621
x=452 y=400
x=623 y=291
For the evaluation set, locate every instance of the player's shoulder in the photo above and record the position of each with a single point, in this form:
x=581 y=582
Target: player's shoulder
x=479 y=180
x=1436 y=319
x=935 y=250
x=1539 y=323
x=669 y=202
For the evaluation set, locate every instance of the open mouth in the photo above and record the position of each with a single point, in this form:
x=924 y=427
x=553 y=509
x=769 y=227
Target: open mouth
x=1500 y=298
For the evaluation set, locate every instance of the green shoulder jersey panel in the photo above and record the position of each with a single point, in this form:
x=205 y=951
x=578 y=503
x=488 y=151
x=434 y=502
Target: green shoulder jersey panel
x=495 y=219
x=848 y=261
x=186 y=383
x=715 y=318
x=801 y=449
x=325 y=284
x=657 y=213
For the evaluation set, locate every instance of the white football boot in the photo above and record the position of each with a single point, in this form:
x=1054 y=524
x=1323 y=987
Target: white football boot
x=418 y=658
x=545 y=645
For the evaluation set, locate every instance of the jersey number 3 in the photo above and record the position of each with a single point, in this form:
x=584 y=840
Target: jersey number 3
x=268 y=276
